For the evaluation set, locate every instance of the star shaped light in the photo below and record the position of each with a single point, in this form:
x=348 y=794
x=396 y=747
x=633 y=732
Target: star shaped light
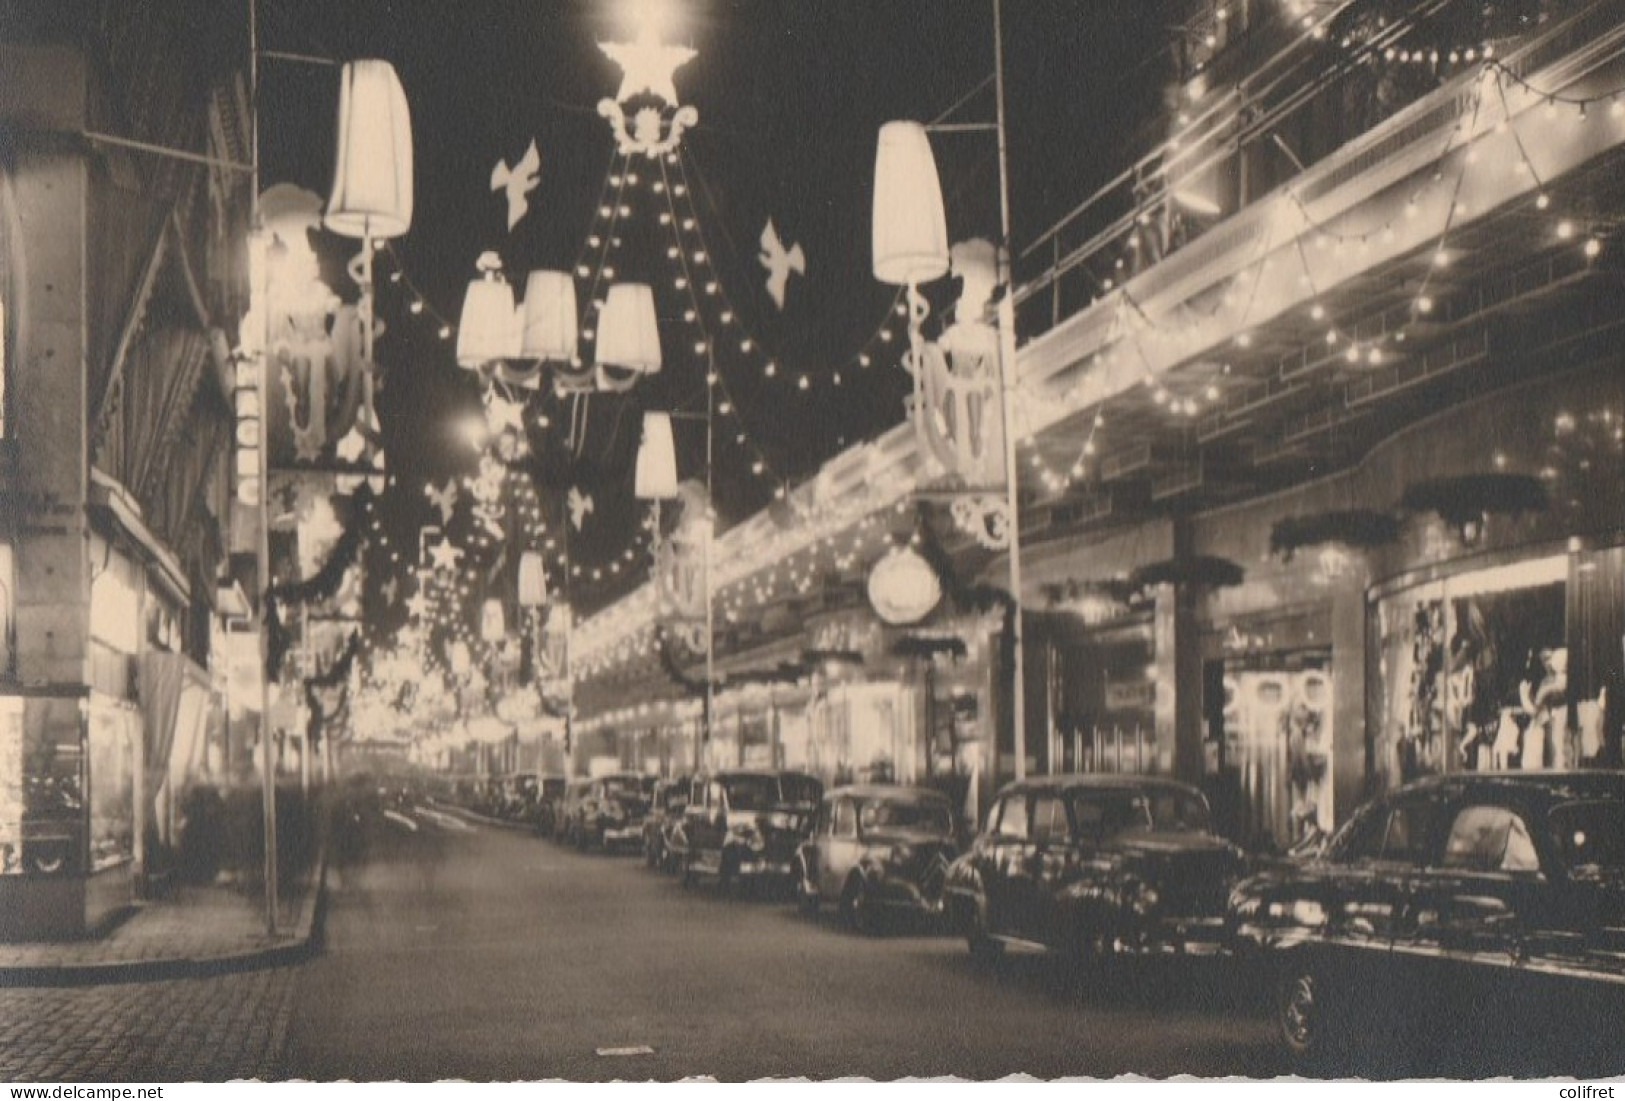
x=445 y=555
x=352 y=445
x=647 y=63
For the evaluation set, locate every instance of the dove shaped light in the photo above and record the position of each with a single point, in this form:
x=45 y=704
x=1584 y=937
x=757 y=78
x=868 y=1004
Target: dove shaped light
x=550 y=317
x=628 y=333
x=656 y=477
x=372 y=172
x=488 y=329
x=910 y=229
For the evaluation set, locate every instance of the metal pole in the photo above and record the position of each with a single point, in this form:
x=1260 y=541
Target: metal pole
x=262 y=549
x=1007 y=373
x=710 y=523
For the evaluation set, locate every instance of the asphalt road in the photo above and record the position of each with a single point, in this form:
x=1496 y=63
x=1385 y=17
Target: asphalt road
x=488 y=954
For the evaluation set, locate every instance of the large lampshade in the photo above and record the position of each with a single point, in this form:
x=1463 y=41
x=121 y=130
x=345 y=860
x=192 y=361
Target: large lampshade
x=489 y=327
x=910 y=229
x=628 y=335
x=532 y=580
x=656 y=477
x=493 y=624
x=550 y=316
x=372 y=173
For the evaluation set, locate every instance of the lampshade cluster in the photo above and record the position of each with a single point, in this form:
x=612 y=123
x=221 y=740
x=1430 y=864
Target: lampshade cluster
x=543 y=328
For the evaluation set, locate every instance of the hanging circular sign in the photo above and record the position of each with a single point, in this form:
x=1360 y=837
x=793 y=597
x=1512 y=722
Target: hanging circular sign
x=903 y=588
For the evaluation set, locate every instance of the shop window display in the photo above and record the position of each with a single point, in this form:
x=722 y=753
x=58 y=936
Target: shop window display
x=114 y=734
x=1472 y=674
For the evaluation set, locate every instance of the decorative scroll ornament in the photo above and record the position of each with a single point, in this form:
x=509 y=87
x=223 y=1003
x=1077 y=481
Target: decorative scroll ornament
x=679 y=568
x=651 y=132
x=985 y=517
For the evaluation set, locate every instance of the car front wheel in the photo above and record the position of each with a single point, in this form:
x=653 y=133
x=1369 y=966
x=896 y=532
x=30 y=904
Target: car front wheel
x=806 y=890
x=857 y=908
x=978 y=937
x=1308 y=1013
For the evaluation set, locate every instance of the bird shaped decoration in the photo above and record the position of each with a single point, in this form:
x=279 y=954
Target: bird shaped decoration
x=579 y=504
x=518 y=182
x=444 y=499
x=779 y=262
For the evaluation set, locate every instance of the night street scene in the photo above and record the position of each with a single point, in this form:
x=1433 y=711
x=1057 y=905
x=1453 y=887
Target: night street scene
x=640 y=540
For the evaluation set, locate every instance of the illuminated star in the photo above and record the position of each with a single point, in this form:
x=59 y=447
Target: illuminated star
x=417 y=605
x=445 y=555
x=443 y=499
x=647 y=65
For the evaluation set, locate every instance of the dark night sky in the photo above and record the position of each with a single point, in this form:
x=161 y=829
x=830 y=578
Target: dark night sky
x=790 y=95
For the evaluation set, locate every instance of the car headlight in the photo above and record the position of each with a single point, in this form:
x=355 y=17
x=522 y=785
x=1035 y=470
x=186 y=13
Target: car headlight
x=1300 y=911
x=746 y=833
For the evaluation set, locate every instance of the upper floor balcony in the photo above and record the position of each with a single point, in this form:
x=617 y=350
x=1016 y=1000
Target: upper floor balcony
x=1427 y=246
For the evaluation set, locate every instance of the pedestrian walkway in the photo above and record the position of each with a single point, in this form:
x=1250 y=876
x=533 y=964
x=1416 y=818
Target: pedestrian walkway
x=193 y=931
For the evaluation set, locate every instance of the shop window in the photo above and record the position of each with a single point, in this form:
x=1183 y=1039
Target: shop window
x=1487 y=839
x=1473 y=674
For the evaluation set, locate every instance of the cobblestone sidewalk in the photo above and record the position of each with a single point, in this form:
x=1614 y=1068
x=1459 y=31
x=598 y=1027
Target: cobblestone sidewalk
x=180 y=1030
x=197 y=930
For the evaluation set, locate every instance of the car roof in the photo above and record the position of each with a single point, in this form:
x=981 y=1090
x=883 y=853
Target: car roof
x=1571 y=784
x=1095 y=781
x=886 y=791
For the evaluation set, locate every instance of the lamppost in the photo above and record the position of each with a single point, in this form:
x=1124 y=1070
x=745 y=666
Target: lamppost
x=910 y=248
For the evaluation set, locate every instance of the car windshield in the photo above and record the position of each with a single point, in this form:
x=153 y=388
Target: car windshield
x=553 y=788
x=623 y=786
x=906 y=815
x=1105 y=814
x=751 y=792
x=1591 y=837
x=527 y=785
x=800 y=789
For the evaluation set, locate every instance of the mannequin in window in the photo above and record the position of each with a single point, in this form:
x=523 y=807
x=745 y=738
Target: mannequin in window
x=1546 y=700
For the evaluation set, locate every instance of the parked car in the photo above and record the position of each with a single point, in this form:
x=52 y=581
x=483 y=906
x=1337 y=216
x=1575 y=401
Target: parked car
x=548 y=805
x=746 y=825
x=876 y=848
x=607 y=811
x=1095 y=867
x=664 y=821
x=1449 y=896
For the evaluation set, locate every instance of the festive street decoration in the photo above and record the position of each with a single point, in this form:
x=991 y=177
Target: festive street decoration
x=779 y=262
x=518 y=182
x=903 y=588
x=580 y=505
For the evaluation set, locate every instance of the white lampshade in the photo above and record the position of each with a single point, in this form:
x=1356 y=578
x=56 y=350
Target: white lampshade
x=549 y=316
x=532 y=580
x=489 y=327
x=910 y=229
x=656 y=477
x=493 y=624
x=372 y=172
x=628 y=335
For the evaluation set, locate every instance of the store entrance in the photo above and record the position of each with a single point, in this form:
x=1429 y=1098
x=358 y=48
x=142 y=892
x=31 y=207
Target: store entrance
x=1269 y=729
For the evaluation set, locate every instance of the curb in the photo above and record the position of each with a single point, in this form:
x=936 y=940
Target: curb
x=298 y=950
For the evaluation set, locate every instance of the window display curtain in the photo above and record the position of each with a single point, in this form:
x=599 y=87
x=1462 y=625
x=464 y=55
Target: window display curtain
x=163 y=678
x=1596 y=616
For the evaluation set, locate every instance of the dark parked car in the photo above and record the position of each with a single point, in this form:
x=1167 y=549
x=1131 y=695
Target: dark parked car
x=548 y=805
x=664 y=823
x=1095 y=867
x=606 y=811
x=747 y=824
x=1450 y=896
x=875 y=848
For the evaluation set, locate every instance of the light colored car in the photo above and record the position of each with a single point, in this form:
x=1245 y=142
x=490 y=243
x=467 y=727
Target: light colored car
x=877 y=848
